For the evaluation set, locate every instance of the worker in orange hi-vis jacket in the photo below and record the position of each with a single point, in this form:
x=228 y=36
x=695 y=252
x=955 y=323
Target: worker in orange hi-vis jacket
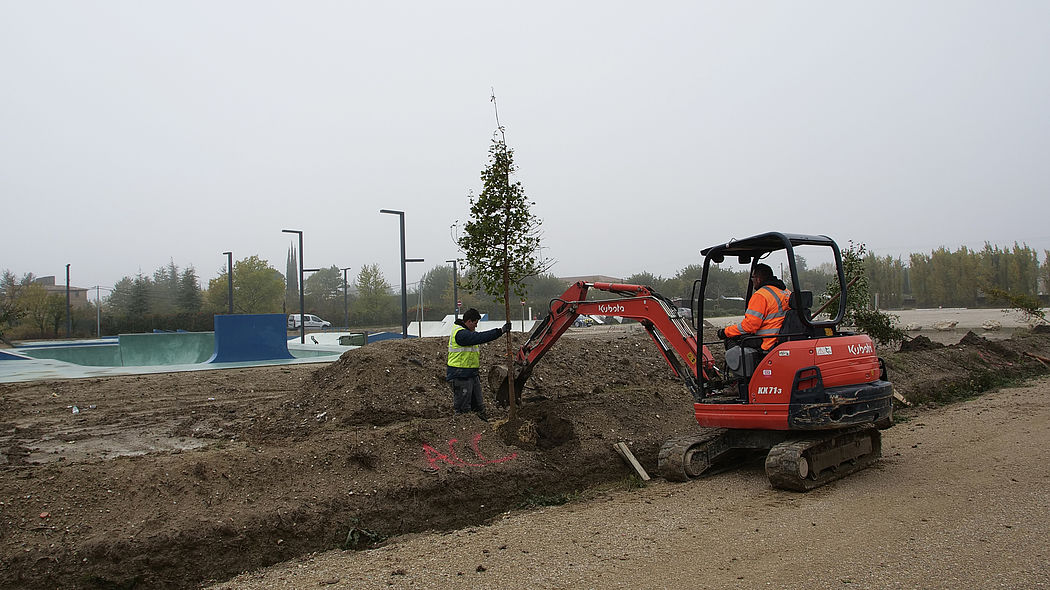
x=765 y=310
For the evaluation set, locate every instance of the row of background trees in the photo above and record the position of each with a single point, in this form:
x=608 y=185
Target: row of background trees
x=172 y=298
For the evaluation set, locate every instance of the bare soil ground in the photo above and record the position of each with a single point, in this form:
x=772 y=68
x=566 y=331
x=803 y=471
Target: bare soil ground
x=959 y=501
x=176 y=480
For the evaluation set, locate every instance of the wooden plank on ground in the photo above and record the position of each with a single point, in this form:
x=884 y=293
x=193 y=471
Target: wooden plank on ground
x=900 y=398
x=1042 y=359
x=628 y=456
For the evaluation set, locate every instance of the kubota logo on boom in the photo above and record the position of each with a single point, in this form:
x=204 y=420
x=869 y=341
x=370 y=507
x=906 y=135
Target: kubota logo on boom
x=617 y=308
x=858 y=349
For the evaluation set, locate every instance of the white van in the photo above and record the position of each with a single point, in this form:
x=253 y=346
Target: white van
x=310 y=321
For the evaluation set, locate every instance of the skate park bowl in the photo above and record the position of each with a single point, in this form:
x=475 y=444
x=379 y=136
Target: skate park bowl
x=238 y=341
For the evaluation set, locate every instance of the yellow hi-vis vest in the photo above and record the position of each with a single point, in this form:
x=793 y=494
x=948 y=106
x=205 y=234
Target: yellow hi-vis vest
x=462 y=357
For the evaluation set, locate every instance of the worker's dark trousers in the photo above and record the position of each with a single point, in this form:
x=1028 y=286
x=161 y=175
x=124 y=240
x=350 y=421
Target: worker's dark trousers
x=466 y=395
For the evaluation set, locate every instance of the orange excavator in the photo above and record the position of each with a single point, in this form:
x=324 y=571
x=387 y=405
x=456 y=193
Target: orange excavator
x=815 y=401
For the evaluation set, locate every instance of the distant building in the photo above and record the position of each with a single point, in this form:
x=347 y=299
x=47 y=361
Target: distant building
x=77 y=295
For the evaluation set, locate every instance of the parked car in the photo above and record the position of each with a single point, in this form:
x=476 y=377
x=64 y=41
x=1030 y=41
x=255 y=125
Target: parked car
x=584 y=322
x=310 y=321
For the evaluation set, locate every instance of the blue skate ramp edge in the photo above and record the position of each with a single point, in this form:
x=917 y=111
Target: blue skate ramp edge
x=380 y=336
x=250 y=337
x=7 y=356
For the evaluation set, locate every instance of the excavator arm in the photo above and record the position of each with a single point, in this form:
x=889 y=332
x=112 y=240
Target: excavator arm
x=671 y=333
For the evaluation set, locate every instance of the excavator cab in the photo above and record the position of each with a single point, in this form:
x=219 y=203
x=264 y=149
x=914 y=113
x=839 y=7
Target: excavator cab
x=743 y=355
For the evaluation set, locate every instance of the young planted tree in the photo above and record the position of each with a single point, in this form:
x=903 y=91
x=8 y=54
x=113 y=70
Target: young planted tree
x=859 y=313
x=501 y=241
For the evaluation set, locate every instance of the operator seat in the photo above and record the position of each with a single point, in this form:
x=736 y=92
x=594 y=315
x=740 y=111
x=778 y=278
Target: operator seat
x=793 y=327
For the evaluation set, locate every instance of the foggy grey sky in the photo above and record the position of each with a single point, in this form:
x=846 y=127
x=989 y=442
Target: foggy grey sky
x=137 y=132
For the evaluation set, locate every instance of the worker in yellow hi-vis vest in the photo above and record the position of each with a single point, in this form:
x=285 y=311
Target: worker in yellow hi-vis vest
x=464 y=360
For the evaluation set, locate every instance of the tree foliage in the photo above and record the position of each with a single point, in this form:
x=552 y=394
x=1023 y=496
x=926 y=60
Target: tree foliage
x=501 y=240
x=189 y=298
x=257 y=288
x=168 y=291
x=859 y=313
x=45 y=311
x=11 y=311
x=964 y=277
x=375 y=304
x=1027 y=306
x=324 y=293
x=438 y=293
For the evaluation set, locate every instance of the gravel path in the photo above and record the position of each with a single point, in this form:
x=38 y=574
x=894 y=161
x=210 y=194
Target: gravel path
x=961 y=499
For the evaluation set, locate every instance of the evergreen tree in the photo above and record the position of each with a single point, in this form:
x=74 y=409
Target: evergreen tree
x=291 y=280
x=165 y=289
x=189 y=298
x=139 y=300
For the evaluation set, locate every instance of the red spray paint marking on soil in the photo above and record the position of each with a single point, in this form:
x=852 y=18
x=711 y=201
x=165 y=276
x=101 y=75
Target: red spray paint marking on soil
x=435 y=457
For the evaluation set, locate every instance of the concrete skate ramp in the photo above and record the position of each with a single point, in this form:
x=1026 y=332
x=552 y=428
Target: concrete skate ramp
x=133 y=350
x=102 y=354
x=166 y=348
x=7 y=356
x=252 y=337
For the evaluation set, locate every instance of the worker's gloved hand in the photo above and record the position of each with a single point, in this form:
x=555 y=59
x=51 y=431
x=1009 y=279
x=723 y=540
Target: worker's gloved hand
x=506 y=327
x=721 y=334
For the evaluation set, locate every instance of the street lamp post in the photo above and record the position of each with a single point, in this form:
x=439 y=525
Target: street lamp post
x=455 y=290
x=98 y=308
x=404 y=280
x=69 y=317
x=346 y=308
x=229 y=279
x=302 y=302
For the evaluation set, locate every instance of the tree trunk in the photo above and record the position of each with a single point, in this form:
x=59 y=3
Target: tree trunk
x=511 y=398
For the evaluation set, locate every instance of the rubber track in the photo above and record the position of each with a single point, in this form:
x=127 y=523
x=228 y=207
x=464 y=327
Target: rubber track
x=782 y=461
x=672 y=459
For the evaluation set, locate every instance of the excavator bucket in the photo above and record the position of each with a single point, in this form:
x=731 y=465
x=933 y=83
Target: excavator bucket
x=499 y=383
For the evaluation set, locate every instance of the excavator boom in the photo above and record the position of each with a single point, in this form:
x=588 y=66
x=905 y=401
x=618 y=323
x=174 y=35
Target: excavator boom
x=672 y=334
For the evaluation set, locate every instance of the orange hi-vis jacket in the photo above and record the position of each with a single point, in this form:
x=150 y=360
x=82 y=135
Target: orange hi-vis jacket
x=764 y=316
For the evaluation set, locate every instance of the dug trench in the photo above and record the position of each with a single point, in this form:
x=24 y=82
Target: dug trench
x=231 y=471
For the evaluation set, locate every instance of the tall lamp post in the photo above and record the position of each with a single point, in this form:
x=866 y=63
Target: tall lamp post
x=69 y=317
x=346 y=308
x=455 y=290
x=302 y=302
x=404 y=281
x=229 y=279
x=98 y=309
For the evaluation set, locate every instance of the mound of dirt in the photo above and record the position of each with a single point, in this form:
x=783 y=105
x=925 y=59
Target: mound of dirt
x=919 y=343
x=942 y=373
x=170 y=480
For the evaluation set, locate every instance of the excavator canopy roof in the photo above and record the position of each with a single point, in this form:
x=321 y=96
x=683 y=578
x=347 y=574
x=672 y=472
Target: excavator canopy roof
x=755 y=246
